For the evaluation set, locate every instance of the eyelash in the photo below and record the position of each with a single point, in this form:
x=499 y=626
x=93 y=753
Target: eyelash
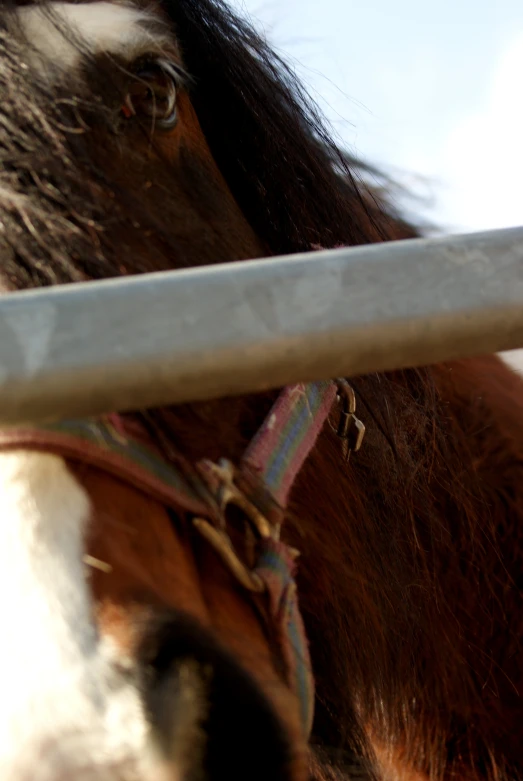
x=153 y=92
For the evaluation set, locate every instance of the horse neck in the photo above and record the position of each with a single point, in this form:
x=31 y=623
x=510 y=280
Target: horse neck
x=401 y=561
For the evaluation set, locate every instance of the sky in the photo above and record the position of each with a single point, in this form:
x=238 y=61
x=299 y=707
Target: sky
x=432 y=92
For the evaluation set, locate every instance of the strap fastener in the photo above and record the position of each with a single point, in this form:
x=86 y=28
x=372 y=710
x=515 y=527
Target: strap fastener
x=350 y=428
x=220 y=480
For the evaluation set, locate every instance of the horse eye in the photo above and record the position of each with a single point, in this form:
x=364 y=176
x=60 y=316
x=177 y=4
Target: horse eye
x=152 y=94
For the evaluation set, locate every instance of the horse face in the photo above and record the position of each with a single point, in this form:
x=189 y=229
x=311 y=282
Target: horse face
x=149 y=664
x=104 y=158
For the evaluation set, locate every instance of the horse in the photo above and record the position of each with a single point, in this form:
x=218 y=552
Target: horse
x=138 y=137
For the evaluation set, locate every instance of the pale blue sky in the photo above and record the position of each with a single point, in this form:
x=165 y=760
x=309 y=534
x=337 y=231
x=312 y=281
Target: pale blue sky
x=428 y=88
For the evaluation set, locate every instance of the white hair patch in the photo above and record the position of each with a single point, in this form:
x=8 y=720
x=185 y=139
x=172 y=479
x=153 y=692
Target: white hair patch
x=59 y=31
x=66 y=708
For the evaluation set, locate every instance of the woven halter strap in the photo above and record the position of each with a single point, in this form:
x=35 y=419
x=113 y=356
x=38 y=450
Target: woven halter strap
x=287 y=436
x=259 y=487
x=264 y=479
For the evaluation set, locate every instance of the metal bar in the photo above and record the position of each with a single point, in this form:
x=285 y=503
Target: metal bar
x=239 y=328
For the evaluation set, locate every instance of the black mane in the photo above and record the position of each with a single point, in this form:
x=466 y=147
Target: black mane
x=295 y=186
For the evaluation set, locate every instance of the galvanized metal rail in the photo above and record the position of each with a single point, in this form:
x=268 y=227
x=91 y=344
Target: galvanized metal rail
x=239 y=328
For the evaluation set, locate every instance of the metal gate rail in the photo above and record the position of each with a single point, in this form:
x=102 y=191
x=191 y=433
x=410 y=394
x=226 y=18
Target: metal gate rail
x=238 y=328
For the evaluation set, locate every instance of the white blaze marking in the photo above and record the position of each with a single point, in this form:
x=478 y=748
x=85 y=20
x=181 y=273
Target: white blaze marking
x=65 y=710
x=100 y=27
x=514 y=359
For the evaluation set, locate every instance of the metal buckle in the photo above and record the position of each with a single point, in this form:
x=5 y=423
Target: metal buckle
x=350 y=428
x=229 y=494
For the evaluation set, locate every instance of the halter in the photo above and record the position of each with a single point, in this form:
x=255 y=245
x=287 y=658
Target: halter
x=258 y=488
